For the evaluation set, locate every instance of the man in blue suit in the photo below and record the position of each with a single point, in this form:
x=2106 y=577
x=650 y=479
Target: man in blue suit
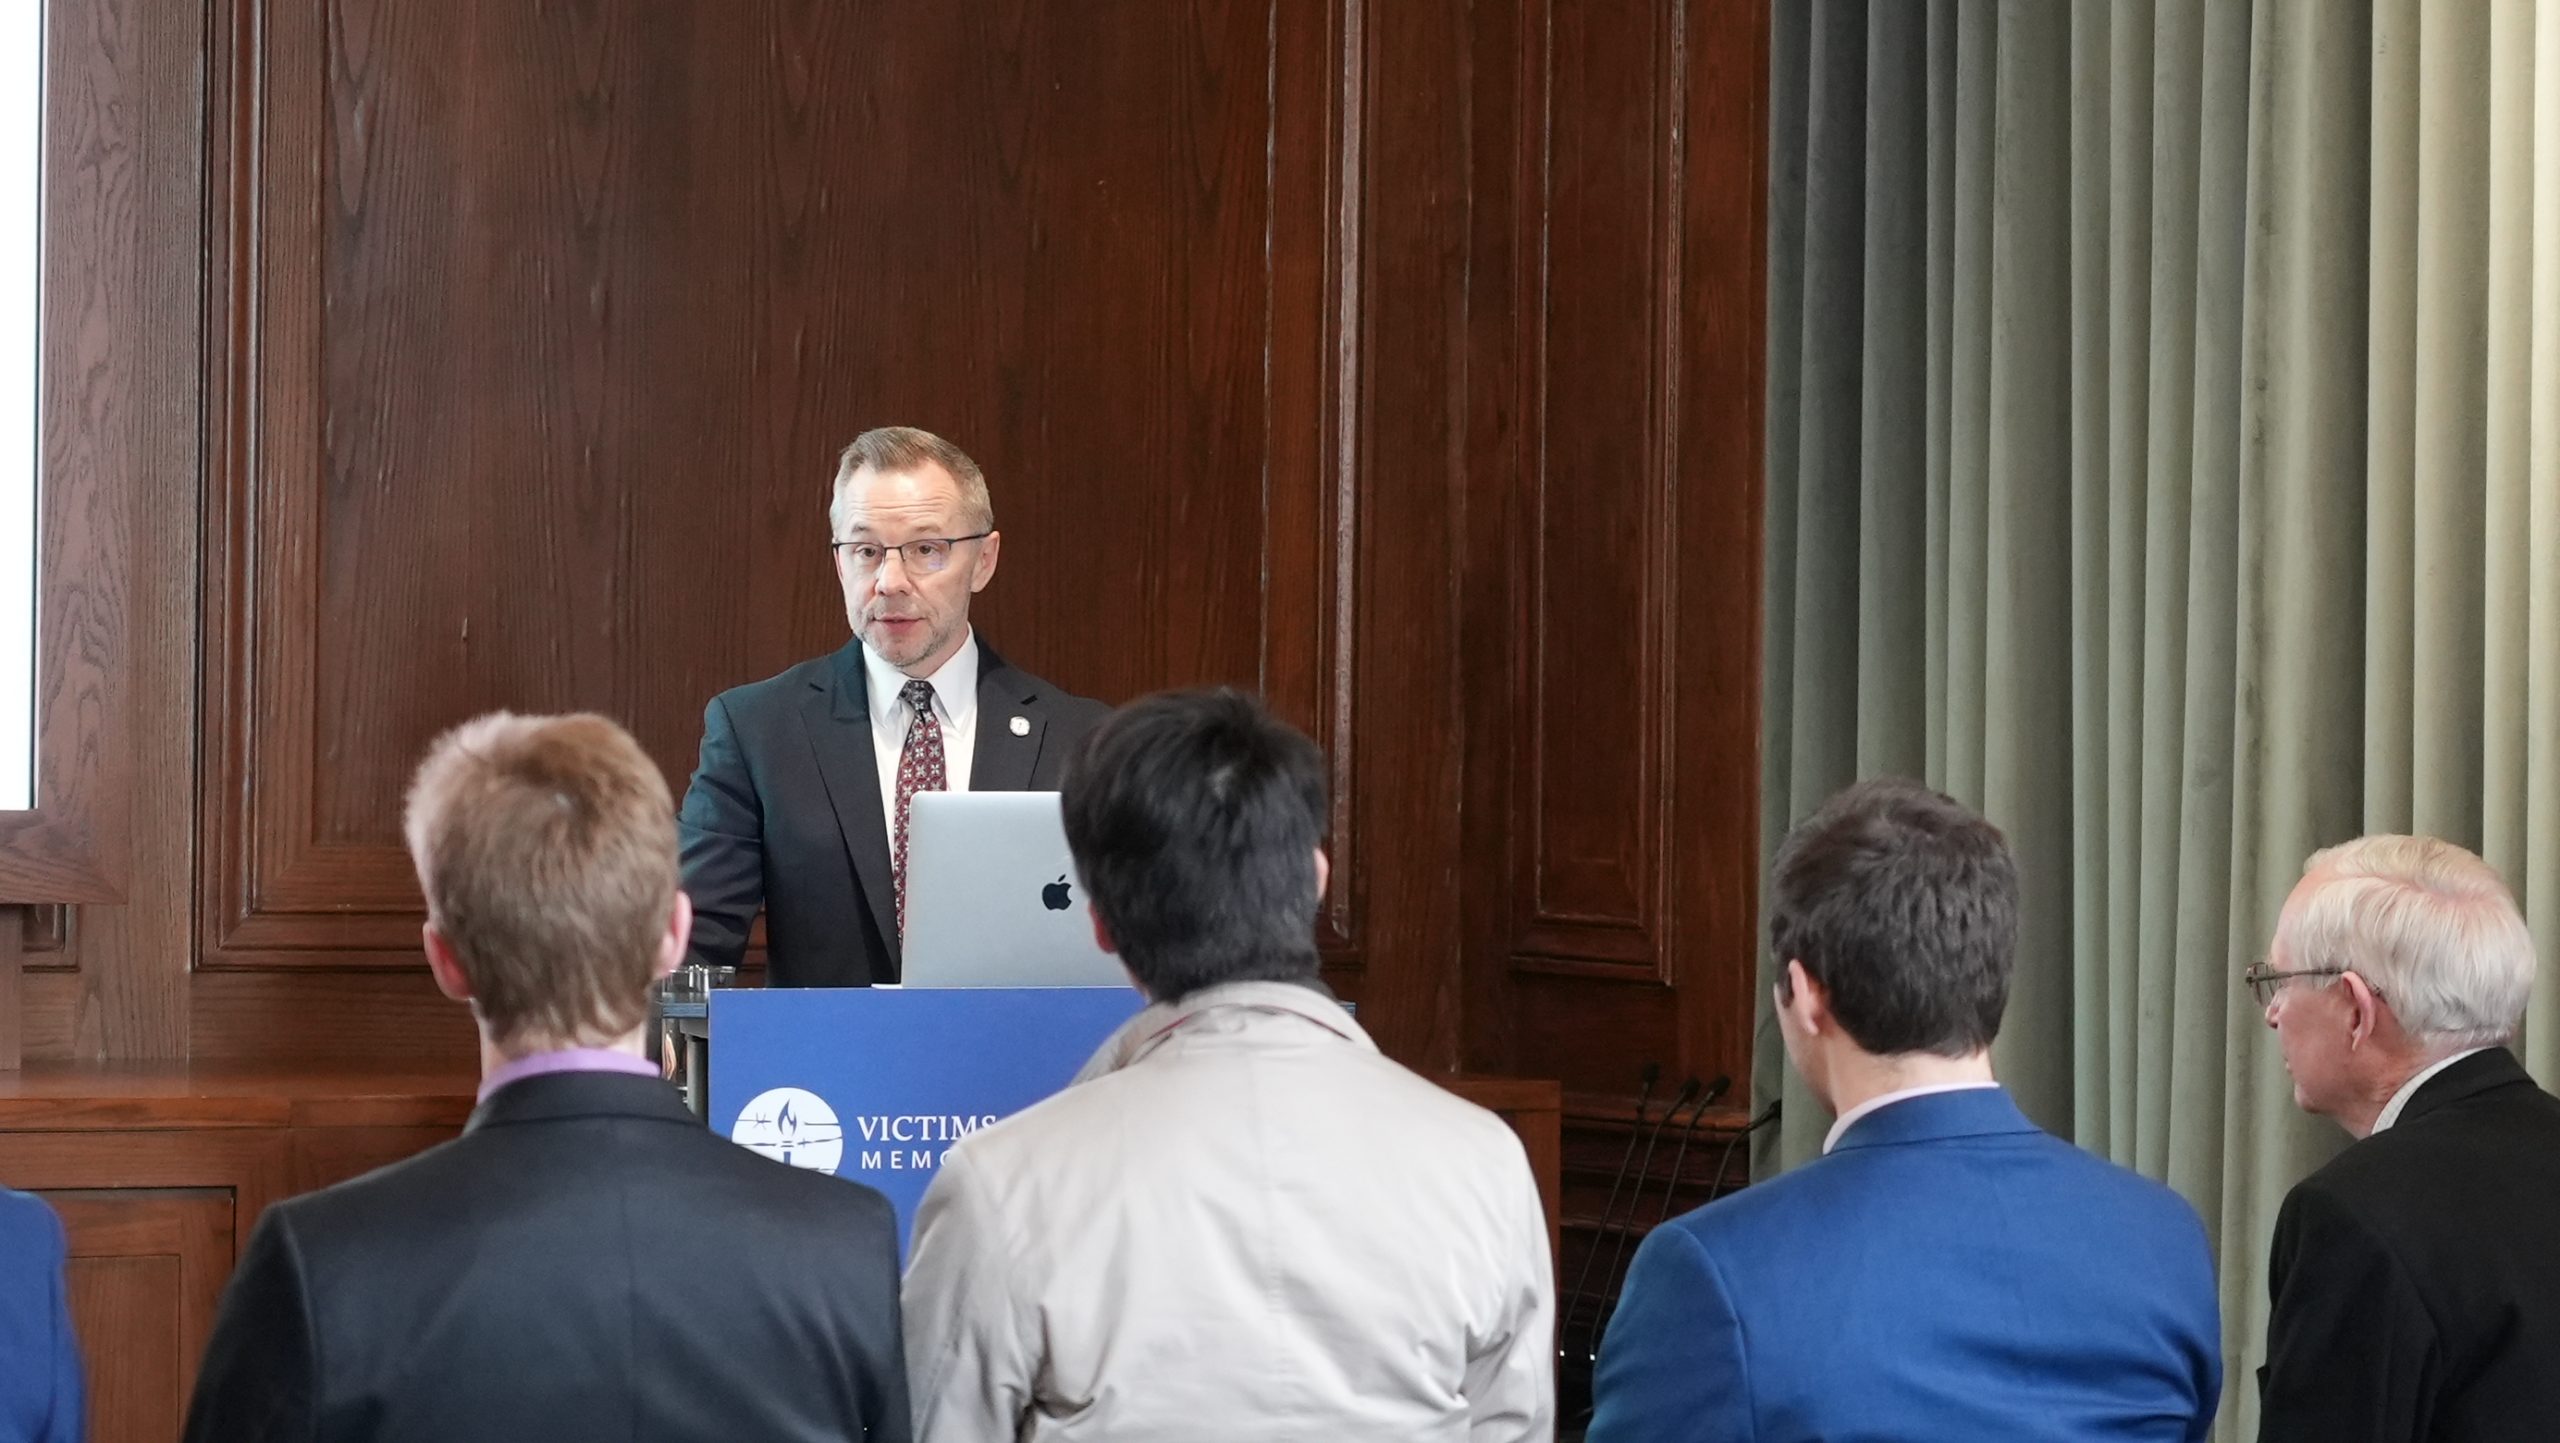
x=1946 y=1270
x=39 y=1359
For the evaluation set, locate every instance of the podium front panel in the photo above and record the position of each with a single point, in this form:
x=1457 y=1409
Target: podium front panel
x=877 y=1083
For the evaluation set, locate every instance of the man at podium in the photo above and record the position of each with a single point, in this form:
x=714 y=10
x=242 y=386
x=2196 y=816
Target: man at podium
x=799 y=805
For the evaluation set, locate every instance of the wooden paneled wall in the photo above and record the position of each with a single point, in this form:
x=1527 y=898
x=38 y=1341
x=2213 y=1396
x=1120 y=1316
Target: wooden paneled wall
x=159 y=1177
x=1613 y=697
x=1401 y=360
x=538 y=370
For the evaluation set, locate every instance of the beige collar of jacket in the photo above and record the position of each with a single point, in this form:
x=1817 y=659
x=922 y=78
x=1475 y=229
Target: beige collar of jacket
x=1148 y=1030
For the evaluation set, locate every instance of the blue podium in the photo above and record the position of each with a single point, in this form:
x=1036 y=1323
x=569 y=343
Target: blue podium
x=877 y=1083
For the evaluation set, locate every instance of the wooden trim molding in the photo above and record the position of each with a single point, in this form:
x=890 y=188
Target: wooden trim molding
x=1311 y=378
x=163 y=1097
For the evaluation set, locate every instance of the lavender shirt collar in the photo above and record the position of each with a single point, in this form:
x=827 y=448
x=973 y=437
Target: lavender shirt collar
x=567 y=1059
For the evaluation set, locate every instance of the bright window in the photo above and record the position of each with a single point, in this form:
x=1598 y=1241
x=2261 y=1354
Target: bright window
x=21 y=227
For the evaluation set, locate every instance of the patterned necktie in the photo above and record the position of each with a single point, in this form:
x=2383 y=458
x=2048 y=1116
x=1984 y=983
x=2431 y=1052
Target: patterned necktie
x=919 y=770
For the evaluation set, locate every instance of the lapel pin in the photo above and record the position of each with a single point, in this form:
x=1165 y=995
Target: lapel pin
x=1022 y=726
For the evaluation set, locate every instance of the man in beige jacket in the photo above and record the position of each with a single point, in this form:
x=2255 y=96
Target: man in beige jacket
x=1241 y=1222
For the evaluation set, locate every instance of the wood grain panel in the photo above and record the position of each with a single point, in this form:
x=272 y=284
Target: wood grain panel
x=390 y=1018
x=1311 y=520
x=382 y=1019
x=194 y=1097
x=126 y=1313
x=1600 y=279
x=250 y=1164
x=1490 y=556
x=554 y=427
x=1410 y=404
x=1714 y=601
x=1616 y=592
x=146 y=1273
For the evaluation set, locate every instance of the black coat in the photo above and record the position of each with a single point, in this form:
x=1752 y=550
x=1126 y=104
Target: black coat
x=2417 y=1276
x=784 y=813
x=585 y=1262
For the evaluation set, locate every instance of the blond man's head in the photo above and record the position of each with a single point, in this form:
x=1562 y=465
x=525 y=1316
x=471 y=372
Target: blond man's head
x=547 y=850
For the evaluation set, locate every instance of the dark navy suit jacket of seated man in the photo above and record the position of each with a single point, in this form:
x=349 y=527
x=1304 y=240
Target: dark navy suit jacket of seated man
x=40 y=1395
x=587 y=1263
x=785 y=813
x=1949 y=1272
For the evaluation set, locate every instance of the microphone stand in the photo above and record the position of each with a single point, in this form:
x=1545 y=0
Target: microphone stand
x=1767 y=1116
x=1618 y=1251
x=1679 y=1159
x=1714 y=1091
x=1651 y=1074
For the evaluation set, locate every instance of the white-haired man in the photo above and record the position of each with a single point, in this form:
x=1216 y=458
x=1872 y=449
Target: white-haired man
x=2416 y=1277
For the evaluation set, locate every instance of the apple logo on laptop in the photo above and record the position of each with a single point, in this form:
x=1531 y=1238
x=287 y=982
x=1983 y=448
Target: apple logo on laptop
x=1055 y=896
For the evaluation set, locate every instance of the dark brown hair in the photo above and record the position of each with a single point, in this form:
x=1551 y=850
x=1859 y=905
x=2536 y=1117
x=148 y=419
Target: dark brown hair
x=1903 y=903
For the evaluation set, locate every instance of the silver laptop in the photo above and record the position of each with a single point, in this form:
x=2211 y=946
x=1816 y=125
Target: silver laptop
x=993 y=899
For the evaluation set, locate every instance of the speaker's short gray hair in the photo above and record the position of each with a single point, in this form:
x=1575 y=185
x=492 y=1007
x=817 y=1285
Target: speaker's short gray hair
x=904 y=448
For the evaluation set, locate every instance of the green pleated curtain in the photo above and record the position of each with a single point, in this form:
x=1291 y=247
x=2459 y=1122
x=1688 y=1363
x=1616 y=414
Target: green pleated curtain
x=2164 y=456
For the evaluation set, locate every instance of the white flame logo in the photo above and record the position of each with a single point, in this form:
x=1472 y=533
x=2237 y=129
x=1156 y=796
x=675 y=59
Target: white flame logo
x=793 y=1127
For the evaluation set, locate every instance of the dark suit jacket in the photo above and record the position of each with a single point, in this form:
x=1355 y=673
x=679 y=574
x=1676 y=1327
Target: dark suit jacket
x=2416 y=1277
x=785 y=815
x=1950 y=1271
x=585 y=1262
x=39 y=1358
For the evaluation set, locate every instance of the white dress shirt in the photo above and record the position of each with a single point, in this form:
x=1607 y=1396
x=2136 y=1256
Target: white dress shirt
x=2409 y=1089
x=955 y=705
x=1841 y=1128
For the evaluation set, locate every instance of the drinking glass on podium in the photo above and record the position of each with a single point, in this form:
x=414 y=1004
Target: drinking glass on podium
x=680 y=1034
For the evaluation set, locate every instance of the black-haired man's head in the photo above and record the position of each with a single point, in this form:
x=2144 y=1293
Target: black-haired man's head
x=1196 y=820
